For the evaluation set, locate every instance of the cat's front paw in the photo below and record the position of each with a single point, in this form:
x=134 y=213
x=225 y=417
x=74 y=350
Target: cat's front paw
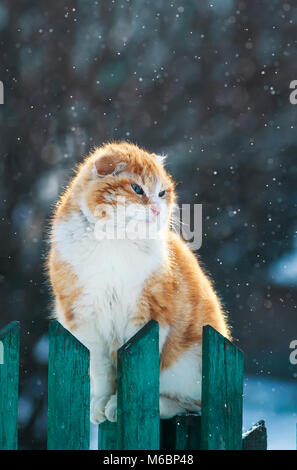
x=97 y=413
x=111 y=409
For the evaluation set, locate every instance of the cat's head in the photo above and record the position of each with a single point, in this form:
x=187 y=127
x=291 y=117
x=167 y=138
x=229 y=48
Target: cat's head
x=126 y=185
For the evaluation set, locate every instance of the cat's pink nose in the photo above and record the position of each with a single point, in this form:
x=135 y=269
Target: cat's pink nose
x=155 y=210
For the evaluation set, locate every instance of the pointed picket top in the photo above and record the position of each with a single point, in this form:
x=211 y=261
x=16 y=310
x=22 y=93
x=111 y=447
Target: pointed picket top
x=68 y=391
x=256 y=437
x=222 y=389
x=138 y=423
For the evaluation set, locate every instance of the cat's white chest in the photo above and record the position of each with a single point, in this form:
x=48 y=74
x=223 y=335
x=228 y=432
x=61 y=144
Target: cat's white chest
x=111 y=274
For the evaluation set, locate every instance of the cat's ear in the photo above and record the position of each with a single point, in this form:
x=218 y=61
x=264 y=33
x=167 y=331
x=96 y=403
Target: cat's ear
x=161 y=159
x=108 y=165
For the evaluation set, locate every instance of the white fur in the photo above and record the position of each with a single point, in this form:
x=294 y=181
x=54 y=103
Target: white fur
x=112 y=274
x=182 y=380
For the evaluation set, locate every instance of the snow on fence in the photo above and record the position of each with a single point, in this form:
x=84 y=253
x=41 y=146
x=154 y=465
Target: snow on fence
x=138 y=425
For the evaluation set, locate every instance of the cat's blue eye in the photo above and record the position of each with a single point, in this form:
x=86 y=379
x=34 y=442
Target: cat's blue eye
x=137 y=188
x=162 y=193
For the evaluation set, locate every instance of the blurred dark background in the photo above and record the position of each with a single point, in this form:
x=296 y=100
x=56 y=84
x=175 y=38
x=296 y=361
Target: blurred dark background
x=206 y=83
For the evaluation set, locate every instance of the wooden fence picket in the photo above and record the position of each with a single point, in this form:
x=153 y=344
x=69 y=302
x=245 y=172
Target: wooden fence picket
x=255 y=438
x=138 y=420
x=183 y=432
x=68 y=391
x=222 y=388
x=9 y=385
x=107 y=436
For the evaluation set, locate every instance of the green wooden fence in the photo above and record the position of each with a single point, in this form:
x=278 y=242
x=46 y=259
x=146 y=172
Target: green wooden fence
x=138 y=424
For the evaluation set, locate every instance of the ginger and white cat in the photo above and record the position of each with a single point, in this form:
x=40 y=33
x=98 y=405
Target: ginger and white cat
x=107 y=288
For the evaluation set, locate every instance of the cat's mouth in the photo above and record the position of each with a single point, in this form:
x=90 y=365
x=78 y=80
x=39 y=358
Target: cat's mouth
x=146 y=214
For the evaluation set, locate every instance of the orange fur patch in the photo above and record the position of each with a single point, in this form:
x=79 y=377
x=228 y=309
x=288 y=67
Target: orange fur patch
x=65 y=286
